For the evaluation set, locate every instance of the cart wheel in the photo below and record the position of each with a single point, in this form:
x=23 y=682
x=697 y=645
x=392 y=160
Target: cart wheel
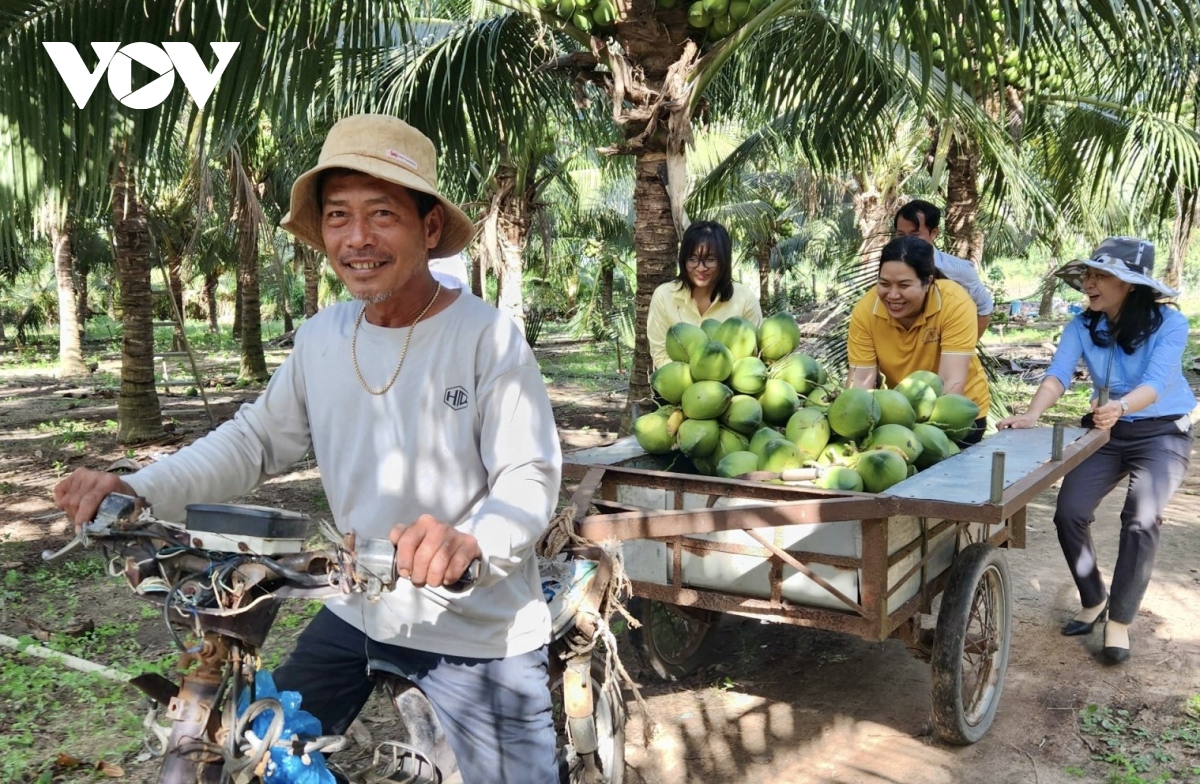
x=673 y=641
x=970 y=646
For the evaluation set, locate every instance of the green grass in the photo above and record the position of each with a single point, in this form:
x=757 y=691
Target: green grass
x=1130 y=753
x=591 y=365
x=102 y=339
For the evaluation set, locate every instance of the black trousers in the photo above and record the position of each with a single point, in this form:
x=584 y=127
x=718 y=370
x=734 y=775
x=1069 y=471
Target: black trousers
x=1154 y=455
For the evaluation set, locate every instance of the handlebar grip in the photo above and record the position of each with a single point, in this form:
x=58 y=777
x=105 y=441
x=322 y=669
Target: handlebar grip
x=378 y=558
x=469 y=578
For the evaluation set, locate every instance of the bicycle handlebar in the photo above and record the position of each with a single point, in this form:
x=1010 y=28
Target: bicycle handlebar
x=367 y=566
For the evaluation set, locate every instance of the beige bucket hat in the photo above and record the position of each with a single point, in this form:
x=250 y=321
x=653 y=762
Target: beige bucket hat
x=384 y=147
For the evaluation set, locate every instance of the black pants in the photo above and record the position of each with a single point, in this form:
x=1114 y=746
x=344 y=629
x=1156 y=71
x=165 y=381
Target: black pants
x=1155 y=455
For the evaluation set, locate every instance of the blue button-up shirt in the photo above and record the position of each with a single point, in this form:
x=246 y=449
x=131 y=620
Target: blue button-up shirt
x=1156 y=363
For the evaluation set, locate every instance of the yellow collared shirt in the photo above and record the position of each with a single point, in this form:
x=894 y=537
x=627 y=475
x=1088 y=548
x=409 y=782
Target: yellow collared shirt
x=672 y=303
x=948 y=325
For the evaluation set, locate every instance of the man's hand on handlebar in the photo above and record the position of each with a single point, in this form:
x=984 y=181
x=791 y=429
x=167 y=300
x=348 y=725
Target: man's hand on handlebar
x=429 y=552
x=80 y=494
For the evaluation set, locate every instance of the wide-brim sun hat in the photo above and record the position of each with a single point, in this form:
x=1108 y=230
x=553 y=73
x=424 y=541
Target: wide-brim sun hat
x=1127 y=258
x=384 y=147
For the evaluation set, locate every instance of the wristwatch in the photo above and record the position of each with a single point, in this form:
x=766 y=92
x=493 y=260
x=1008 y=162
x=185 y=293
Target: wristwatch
x=1124 y=406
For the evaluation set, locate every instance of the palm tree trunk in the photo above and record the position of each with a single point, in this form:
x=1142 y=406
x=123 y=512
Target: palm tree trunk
x=513 y=225
x=962 y=199
x=81 y=296
x=762 y=255
x=1050 y=283
x=254 y=363
x=477 y=274
x=606 y=284
x=873 y=214
x=175 y=280
x=1187 y=215
x=311 y=265
x=237 y=308
x=70 y=339
x=657 y=242
x=211 y=279
x=139 y=417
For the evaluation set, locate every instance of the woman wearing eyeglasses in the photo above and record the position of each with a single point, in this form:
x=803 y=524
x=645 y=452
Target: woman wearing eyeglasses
x=915 y=319
x=703 y=289
x=1133 y=347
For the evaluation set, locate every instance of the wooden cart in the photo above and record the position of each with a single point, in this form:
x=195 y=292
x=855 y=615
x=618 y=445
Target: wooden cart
x=859 y=563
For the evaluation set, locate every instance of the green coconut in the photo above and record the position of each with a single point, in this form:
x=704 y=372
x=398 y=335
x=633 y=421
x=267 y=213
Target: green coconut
x=779 y=401
x=837 y=452
x=936 y=446
x=705 y=400
x=920 y=396
x=710 y=327
x=749 y=376
x=652 y=435
x=711 y=361
x=743 y=415
x=683 y=339
x=808 y=429
x=729 y=442
x=894 y=408
x=699 y=437
x=799 y=370
x=955 y=414
x=930 y=378
x=880 y=469
x=739 y=336
x=671 y=380
x=896 y=436
x=853 y=413
x=778 y=336
x=840 y=478
x=819 y=397
x=735 y=464
x=762 y=437
x=781 y=455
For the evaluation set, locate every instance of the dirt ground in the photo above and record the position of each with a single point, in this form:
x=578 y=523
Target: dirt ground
x=776 y=703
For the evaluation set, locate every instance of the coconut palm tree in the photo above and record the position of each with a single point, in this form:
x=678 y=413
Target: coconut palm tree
x=103 y=154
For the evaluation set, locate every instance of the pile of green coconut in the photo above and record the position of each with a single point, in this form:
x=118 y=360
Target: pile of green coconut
x=741 y=400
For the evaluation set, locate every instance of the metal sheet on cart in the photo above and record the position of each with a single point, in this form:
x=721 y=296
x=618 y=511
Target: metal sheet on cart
x=966 y=478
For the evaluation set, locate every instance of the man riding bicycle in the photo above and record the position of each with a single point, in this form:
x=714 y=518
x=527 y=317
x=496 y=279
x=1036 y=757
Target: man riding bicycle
x=427 y=414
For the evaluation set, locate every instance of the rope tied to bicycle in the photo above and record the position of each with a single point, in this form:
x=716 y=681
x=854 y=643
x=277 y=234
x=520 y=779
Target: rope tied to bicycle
x=561 y=536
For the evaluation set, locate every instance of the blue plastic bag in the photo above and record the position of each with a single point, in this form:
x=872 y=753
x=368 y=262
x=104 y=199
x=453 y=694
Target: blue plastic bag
x=285 y=767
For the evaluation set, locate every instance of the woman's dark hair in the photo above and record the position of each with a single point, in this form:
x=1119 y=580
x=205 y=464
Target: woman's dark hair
x=1140 y=317
x=916 y=253
x=712 y=237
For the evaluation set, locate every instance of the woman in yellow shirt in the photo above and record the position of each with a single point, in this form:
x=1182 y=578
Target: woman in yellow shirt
x=703 y=289
x=916 y=320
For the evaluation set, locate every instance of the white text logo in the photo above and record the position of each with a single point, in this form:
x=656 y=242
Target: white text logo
x=171 y=58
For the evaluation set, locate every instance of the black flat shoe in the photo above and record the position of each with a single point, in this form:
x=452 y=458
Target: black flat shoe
x=1075 y=628
x=1114 y=655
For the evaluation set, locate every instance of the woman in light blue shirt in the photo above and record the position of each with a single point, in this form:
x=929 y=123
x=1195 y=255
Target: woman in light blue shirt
x=1133 y=347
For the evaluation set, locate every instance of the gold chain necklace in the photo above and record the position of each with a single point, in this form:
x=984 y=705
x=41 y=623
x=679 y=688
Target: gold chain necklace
x=403 y=352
